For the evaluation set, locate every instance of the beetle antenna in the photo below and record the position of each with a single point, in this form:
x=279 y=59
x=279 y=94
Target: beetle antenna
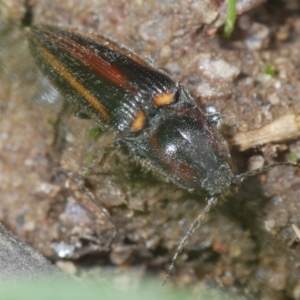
x=210 y=202
x=238 y=179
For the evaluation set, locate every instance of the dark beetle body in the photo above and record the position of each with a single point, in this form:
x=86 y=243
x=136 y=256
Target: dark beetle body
x=156 y=119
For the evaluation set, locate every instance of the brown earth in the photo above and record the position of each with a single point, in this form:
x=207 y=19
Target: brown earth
x=247 y=244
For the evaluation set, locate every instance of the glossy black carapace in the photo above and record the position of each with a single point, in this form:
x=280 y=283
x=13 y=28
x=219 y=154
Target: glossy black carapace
x=152 y=115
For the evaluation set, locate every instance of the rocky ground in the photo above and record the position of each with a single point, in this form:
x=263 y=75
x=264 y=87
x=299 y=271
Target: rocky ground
x=248 y=245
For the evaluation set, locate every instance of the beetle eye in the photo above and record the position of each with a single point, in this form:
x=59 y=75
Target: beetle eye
x=214 y=119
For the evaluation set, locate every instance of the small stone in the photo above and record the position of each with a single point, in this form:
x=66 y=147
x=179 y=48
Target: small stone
x=67 y=267
x=255 y=162
x=217 y=69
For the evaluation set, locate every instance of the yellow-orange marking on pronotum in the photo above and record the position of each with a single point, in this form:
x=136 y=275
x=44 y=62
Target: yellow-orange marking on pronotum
x=139 y=121
x=163 y=99
x=74 y=83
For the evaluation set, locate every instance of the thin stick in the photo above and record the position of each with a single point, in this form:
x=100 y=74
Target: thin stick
x=211 y=201
x=80 y=182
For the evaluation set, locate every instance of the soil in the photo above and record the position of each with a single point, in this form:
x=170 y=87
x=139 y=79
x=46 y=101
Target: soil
x=248 y=244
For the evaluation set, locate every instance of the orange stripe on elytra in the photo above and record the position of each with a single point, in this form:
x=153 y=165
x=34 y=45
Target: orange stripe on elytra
x=89 y=57
x=55 y=63
x=113 y=45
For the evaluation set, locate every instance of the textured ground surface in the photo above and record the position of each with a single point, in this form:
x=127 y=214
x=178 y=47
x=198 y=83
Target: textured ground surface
x=246 y=244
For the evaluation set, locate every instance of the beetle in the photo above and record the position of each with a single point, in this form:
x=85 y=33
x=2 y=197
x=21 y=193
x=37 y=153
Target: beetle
x=155 y=118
